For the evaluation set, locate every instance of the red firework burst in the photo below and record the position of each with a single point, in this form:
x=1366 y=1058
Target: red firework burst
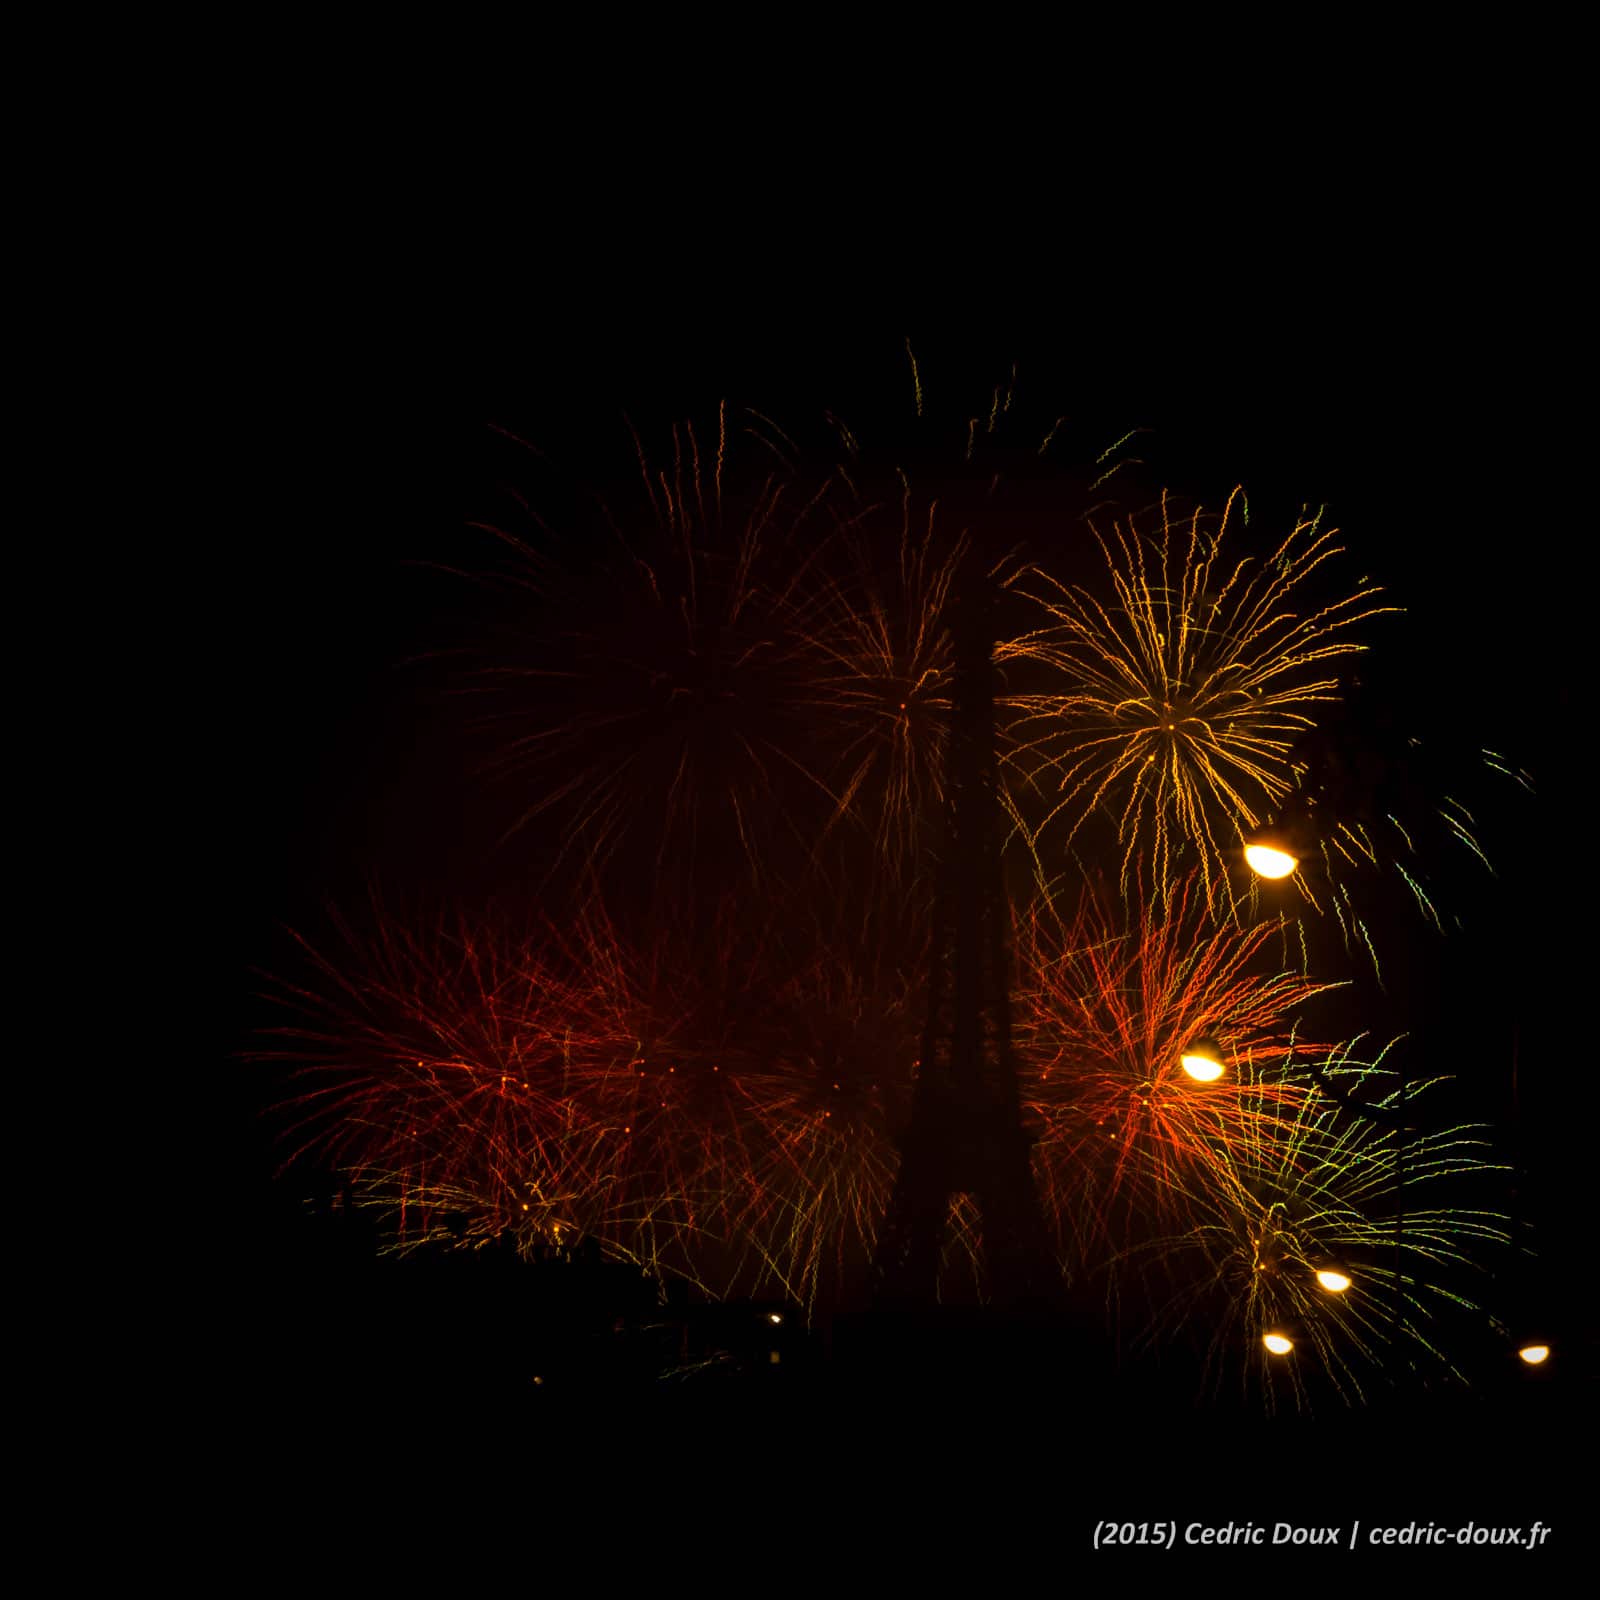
x=1105 y=1011
x=658 y=679
x=715 y=1107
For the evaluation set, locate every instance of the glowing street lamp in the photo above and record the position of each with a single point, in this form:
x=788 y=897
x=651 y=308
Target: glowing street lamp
x=1535 y=1354
x=1202 y=1060
x=1332 y=1277
x=1277 y=1341
x=1274 y=851
x=1269 y=861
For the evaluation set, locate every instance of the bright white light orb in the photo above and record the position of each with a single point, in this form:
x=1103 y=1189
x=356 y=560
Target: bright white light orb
x=1205 y=1068
x=1269 y=863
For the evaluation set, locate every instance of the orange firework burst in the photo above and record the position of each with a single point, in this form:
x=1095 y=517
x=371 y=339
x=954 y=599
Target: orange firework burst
x=1105 y=1013
x=885 y=690
x=1183 y=695
x=887 y=682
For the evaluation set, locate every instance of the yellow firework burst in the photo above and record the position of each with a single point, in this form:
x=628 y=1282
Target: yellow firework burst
x=1184 y=690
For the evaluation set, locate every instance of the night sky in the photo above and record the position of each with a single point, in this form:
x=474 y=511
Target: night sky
x=1454 y=480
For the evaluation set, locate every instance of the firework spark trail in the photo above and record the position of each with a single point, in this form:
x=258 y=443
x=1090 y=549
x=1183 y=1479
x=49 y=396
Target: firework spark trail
x=744 y=673
x=721 y=1114
x=750 y=666
x=1104 y=1011
x=446 y=1061
x=886 y=689
x=663 y=693
x=886 y=682
x=1376 y=800
x=728 y=1120
x=1183 y=696
x=1296 y=1193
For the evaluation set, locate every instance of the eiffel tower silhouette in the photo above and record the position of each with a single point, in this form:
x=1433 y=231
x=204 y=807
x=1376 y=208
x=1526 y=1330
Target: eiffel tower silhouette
x=966 y=1134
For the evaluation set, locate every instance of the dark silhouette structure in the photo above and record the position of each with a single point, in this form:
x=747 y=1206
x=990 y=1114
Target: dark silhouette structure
x=966 y=1133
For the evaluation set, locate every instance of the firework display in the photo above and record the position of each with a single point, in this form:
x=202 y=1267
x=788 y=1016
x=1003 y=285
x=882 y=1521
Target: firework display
x=1377 y=812
x=1323 y=1236
x=752 y=672
x=1106 y=1011
x=1187 y=686
x=718 y=1111
x=725 y=711
x=661 y=701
